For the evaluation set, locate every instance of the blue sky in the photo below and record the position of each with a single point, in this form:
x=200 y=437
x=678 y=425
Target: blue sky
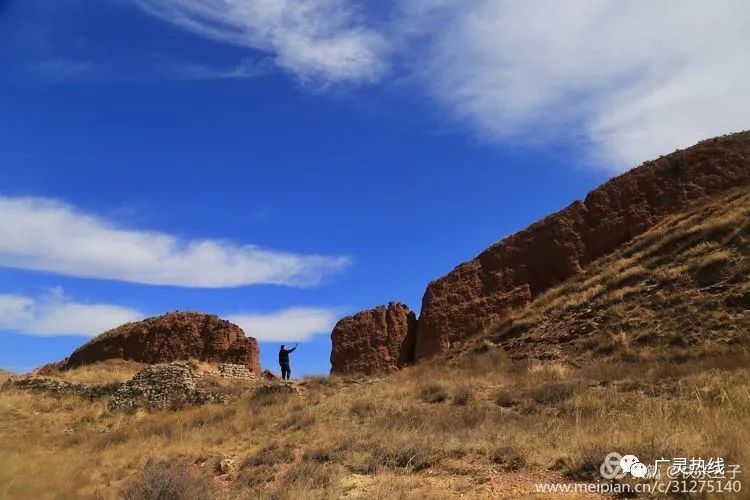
x=285 y=164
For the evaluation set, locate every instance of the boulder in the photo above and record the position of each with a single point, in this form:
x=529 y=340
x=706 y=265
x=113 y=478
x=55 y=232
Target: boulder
x=479 y=293
x=172 y=337
x=380 y=340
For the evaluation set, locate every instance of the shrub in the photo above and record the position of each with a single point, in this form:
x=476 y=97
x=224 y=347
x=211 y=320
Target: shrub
x=297 y=421
x=463 y=395
x=505 y=399
x=270 y=394
x=362 y=408
x=317 y=455
x=585 y=466
x=310 y=476
x=169 y=481
x=552 y=393
x=433 y=393
x=272 y=455
x=413 y=457
x=507 y=457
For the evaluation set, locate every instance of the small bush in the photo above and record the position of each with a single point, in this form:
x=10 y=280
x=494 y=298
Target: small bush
x=317 y=455
x=271 y=455
x=507 y=457
x=412 y=457
x=165 y=481
x=433 y=393
x=505 y=399
x=318 y=381
x=270 y=394
x=253 y=478
x=297 y=421
x=585 y=467
x=463 y=395
x=308 y=476
x=553 y=393
x=362 y=408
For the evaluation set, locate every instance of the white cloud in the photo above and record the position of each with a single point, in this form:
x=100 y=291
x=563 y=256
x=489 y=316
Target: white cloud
x=46 y=235
x=54 y=314
x=322 y=40
x=294 y=324
x=635 y=79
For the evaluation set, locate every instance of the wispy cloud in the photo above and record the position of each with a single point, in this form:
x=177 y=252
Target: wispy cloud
x=318 y=40
x=48 y=235
x=633 y=79
x=628 y=80
x=294 y=324
x=54 y=314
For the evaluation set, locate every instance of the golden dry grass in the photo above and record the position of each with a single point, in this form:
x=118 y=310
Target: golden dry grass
x=683 y=283
x=385 y=439
x=104 y=372
x=477 y=424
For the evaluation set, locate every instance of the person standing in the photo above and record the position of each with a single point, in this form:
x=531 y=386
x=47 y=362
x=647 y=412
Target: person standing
x=286 y=371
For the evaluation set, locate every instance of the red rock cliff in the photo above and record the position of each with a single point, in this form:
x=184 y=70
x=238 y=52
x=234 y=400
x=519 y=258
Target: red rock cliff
x=171 y=337
x=479 y=293
x=380 y=340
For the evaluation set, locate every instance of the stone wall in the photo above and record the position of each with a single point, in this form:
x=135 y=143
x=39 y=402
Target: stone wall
x=158 y=387
x=234 y=371
x=61 y=387
x=155 y=387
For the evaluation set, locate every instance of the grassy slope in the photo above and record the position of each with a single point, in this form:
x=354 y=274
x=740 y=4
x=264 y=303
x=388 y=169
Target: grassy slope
x=105 y=372
x=685 y=284
x=479 y=423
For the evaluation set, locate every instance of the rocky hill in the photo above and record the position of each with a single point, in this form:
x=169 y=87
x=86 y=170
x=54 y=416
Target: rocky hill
x=479 y=294
x=171 y=337
x=679 y=291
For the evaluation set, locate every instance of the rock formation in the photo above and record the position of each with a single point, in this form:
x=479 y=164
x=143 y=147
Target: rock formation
x=171 y=337
x=380 y=340
x=479 y=293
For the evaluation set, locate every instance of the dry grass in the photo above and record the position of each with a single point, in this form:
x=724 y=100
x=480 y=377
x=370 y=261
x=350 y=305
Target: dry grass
x=685 y=282
x=105 y=372
x=521 y=417
x=639 y=379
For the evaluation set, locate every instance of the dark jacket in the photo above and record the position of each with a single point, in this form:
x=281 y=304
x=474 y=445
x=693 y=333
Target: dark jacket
x=284 y=355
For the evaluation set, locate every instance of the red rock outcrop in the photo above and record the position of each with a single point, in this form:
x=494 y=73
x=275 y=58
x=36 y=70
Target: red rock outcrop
x=479 y=293
x=171 y=337
x=377 y=341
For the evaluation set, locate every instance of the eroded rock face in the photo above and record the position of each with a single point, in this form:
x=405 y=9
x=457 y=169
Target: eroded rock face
x=479 y=293
x=171 y=337
x=380 y=340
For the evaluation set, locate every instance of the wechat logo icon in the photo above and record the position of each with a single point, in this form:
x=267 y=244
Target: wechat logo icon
x=616 y=466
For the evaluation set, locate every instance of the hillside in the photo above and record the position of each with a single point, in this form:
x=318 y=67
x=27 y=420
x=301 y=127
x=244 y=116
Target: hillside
x=681 y=290
x=510 y=274
x=644 y=353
